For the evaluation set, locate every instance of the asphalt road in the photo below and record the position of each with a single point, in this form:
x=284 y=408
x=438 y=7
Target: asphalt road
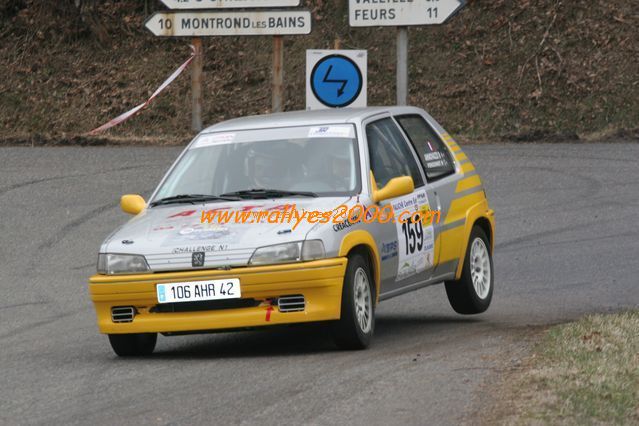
x=567 y=244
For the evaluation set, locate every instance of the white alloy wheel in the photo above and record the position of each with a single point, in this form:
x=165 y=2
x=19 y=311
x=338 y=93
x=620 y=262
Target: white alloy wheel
x=363 y=301
x=480 y=268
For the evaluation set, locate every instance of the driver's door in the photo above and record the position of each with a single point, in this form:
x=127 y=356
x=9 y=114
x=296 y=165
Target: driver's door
x=406 y=249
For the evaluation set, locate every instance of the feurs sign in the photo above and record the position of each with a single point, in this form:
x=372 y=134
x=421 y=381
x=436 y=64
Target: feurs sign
x=195 y=24
x=367 y=13
x=401 y=14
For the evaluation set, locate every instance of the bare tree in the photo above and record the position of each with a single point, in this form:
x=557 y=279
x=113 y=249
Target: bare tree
x=88 y=13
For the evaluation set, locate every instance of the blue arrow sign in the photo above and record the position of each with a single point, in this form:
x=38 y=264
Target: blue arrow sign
x=336 y=81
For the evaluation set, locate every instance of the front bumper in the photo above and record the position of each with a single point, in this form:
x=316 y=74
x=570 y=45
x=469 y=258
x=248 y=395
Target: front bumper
x=319 y=281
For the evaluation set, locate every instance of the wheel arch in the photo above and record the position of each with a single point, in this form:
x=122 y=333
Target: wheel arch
x=483 y=217
x=485 y=225
x=361 y=241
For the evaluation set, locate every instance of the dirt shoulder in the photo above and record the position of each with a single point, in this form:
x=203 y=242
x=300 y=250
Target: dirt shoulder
x=584 y=372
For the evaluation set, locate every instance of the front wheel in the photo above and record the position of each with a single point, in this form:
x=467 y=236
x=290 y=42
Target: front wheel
x=133 y=344
x=356 y=325
x=472 y=293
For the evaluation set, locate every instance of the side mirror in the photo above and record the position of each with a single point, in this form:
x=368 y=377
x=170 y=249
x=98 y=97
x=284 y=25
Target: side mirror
x=132 y=204
x=396 y=187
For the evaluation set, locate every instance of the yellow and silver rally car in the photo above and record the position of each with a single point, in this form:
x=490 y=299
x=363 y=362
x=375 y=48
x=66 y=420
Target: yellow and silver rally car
x=293 y=218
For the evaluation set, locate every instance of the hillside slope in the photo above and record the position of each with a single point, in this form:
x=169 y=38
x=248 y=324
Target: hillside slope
x=501 y=69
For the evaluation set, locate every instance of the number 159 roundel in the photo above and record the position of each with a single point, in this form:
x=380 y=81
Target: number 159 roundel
x=312 y=216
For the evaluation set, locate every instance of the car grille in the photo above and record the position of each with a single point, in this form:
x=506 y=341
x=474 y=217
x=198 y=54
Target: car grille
x=183 y=261
x=206 y=305
x=293 y=303
x=122 y=313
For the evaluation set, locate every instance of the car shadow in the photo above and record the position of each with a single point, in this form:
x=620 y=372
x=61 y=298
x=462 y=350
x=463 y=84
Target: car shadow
x=307 y=339
x=392 y=326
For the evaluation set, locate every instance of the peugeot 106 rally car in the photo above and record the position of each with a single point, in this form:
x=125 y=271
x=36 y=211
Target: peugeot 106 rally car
x=177 y=268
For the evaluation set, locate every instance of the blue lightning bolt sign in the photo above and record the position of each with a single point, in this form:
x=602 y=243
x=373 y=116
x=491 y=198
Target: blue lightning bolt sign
x=336 y=81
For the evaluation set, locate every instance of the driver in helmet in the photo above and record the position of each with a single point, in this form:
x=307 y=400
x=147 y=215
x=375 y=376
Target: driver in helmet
x=327 y=167
x=268 y=166
x=339 y=167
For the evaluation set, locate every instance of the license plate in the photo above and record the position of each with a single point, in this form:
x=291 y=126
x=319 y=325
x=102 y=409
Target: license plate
x=195 y=291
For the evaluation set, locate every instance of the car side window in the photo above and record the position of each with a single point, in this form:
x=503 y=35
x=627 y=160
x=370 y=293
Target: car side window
x=390 y=154
x=433 y=154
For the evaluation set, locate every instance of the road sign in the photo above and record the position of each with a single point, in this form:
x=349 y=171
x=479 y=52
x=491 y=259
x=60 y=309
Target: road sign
x=401 y=14
x=196 y=24
x=362 y=13
x=227 y=4
x=336 y=78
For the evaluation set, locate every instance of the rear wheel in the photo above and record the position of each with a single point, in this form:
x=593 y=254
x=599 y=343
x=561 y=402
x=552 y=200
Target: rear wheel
x=472 y=293
x=356 y=325
x=133 y=344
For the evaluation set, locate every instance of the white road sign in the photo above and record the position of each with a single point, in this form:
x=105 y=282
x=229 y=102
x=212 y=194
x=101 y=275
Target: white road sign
x=373 y=13
x=336 y=79
x=227 y=4
x=196 y=24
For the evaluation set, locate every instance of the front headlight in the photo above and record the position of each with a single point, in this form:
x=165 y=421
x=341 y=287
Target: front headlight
x=111 y=264
x=288 y=252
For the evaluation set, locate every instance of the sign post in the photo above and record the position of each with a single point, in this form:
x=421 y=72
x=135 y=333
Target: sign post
x=196 y=85
x=402 y=65
x=278 y=74
x=402 y=15
x=190 y=21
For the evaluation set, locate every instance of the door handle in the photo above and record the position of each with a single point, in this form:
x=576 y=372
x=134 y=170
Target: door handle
x=438 y=201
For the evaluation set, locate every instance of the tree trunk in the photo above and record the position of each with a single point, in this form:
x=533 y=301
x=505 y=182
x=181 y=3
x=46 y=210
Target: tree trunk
x=87 y=12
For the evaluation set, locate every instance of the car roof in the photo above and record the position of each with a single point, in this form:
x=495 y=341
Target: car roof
x=302 y=118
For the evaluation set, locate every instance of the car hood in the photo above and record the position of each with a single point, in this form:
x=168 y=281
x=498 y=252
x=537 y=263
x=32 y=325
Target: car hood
x=168 y=235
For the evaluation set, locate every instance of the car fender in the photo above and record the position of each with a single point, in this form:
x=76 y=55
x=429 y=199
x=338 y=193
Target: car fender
x=361 y=237
x=474 y=213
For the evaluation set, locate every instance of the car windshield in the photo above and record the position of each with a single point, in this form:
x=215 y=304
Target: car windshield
x=310 y=160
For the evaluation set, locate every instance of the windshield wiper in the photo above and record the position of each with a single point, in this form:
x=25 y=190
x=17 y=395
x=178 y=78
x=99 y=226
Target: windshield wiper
x=192 y=198
x=268 y=193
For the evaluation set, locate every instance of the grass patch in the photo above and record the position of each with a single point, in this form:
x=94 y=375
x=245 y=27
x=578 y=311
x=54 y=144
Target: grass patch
x=585 y=372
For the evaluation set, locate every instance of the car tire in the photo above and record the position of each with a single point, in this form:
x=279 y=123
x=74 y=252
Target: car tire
x=472 y=293
x=354 y=330
x=133 y=344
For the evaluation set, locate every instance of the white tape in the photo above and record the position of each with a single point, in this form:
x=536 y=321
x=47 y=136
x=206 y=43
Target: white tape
x=123 y=117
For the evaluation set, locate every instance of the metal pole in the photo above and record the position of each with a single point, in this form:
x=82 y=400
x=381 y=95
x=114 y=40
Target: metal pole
x=402 y=65
x=196 y=86
x=278 y=74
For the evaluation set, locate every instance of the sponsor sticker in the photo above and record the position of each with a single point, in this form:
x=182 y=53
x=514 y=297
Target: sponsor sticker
x=389 y=249
x=435 y=164
x=331 y=132
x=431 y=156
x=342 y=225
x=203 y=231
x=416 y=241
x=206 y=248
x=163 y=228
x=214 y=139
